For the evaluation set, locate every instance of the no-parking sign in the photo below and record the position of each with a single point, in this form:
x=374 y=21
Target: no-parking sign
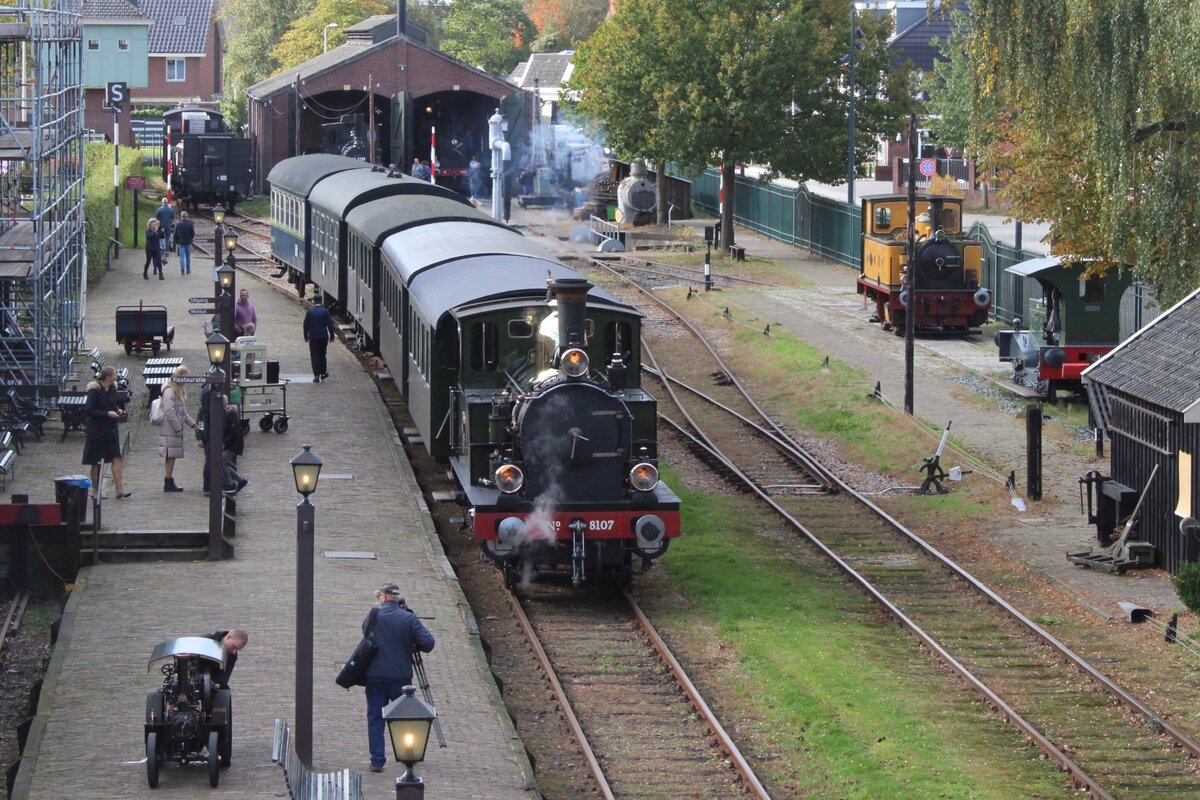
x=928 y=167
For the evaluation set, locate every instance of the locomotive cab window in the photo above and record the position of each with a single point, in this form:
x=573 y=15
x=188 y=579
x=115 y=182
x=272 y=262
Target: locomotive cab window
x=950 y=220
x=484 y=346
x=520 y=329
x=883 y=218
x=1091 y=289
x=617 y=340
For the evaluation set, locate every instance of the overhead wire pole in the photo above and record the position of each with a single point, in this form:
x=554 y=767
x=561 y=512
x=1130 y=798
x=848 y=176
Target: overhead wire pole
x=850 y=147
x=910 y=275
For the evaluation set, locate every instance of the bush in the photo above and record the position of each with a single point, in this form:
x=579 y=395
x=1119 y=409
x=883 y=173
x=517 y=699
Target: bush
x=945 y=185
x=98 y=202
x=1187 y=585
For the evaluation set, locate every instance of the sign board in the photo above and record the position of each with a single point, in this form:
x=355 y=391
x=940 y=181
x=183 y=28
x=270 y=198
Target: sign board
x=201 y=311
x=928 y=167
x=201 y=300
x=135 y=182
x=191 y=379
x=116 y=93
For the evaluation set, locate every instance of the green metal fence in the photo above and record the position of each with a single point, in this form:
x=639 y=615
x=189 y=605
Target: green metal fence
x=831 y=229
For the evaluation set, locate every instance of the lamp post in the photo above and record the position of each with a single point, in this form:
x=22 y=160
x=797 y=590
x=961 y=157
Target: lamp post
x=409 y=719
x=214 y=443
x=325 y=37
x=226 y=283
x=855 y=45
x=306 y=469
x=218 y=213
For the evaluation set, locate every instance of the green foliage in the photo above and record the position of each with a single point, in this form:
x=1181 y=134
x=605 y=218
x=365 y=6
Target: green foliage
x=952 y=96
x=306 y=36
x=740 y=81
x=253 y=29
x=1187 y=584
x=491 y=34
x=562 y=24
x=1101 y=107
x=98 y=202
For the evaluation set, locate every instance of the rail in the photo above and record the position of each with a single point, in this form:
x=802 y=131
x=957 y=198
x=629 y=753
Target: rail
x=307 y=784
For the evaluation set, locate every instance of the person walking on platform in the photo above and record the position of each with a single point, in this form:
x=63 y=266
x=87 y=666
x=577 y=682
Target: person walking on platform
x=154 y=237
x=166 y=218
x=399 y=634
x=318 y=330
x=185 y=234
x=232 y=642
x=175 y=418
x=103 y=436
x=244 y=315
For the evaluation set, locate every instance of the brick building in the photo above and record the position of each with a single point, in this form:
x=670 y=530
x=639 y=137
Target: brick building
x=169 y=52
x=405 y=88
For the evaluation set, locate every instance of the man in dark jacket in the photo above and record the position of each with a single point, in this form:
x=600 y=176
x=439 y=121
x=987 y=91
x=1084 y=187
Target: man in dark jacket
x=185 y=234
x=399 y=635
x=166 y=218
x=318 y=330
x=232 y=642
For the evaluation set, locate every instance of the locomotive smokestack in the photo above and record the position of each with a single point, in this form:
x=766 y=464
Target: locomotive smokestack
x=572 y=311
x=937 y=208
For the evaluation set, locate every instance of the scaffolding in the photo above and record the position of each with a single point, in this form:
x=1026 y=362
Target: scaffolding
x=42 y=265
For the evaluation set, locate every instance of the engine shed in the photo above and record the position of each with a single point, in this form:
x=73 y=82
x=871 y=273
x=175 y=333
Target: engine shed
x=385 y=97
x=1146 y=396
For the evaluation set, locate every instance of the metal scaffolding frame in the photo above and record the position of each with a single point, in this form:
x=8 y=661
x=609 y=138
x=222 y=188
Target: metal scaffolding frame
x=42 y=265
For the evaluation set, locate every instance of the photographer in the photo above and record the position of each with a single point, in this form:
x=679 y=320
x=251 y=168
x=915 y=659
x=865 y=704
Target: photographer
x=103 y=436
x=399 y=635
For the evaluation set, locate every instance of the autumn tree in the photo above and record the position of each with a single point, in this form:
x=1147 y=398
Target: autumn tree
x=253 y=28
x=563 y=24
x=739 y=81
x=492 y=34
x=305 y=38
x=1104 y=124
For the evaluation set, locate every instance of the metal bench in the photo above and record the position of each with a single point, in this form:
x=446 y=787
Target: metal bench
x=8 y=463
x=99 y=362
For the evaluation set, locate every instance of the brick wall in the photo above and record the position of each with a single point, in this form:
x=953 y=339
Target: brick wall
x=203 y=76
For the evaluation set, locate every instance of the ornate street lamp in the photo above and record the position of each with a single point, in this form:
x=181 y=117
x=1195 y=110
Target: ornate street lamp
x=409 y=719
x=306 y=469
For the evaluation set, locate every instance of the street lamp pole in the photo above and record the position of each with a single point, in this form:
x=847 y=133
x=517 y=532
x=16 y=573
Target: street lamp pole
x=306 y=468
x=853 y=91
x=218 y=213
x=325 y=37
x=214 y=441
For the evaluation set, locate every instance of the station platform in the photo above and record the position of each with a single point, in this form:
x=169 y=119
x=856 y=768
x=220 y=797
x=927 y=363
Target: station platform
x=87 y=737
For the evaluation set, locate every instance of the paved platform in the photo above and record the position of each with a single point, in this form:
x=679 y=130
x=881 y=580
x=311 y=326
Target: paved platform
x=88 y=741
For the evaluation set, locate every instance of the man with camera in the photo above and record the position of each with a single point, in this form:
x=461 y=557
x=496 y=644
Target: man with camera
x=399 y=634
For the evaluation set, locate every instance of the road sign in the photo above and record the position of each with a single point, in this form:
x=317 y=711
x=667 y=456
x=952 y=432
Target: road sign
x=200 y=300
x=928 y=167
x=201 y=311
x=135 y=182
x=116 y=93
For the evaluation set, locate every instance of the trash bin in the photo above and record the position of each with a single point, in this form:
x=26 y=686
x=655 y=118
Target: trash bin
x=71 y=491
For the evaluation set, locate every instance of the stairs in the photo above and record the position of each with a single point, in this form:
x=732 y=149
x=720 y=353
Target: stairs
x=124 y=547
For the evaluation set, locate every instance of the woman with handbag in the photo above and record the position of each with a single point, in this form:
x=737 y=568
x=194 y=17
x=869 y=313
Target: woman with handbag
x=398 y=633
x=175 y=419
x=103 y=436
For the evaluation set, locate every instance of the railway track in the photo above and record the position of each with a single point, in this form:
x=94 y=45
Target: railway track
x=619 y=687
x=1112 y=743
x=14 y=617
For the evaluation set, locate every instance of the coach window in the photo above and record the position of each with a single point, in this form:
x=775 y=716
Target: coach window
x=485 y=346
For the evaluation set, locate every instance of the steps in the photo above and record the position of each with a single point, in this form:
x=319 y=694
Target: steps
x=123 y=547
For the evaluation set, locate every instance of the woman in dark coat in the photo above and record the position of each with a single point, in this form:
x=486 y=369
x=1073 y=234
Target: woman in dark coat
x=154 y=239
x=103 y=436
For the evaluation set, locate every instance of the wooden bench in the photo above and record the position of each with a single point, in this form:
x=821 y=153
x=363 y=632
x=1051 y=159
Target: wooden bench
x=737 y=253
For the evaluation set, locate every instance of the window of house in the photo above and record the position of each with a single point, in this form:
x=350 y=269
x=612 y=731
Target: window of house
x=93 y=44
x=176 y=69
x=123 y=45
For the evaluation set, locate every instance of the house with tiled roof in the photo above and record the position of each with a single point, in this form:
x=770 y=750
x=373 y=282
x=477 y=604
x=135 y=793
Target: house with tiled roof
x=545 y=73
x=169 y=52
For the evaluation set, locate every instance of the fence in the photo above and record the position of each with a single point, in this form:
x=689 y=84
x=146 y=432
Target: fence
x=303 y=783
x=832 y=229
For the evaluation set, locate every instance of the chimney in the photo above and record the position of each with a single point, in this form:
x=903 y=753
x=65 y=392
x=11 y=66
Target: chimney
x=401 y=17
x=571 y=294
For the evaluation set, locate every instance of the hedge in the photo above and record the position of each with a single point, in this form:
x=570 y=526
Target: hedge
x=98 y=201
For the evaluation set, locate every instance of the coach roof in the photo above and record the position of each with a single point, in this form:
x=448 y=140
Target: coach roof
x=414 y=250
x=347 y=190
x=299 y=174
x=375 y=220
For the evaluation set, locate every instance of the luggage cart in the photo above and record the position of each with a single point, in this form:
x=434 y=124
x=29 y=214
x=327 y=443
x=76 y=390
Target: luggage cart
x=260 y=395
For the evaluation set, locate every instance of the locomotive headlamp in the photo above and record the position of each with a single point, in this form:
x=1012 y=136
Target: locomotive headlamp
x=643 y=477
x=574 y=363
x=510 y=478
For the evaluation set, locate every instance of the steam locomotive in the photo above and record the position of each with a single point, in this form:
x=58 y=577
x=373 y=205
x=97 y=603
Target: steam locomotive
x=949 y=296
x=516 y=370
x=203 y=163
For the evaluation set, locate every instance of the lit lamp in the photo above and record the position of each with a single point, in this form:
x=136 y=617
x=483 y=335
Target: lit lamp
x=218 y=215
x=306 y=469
x=217 y=346
x=225 y=275
x=409 y=719
x=231 y=238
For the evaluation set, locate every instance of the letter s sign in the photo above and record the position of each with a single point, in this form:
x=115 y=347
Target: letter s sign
x=117 y=94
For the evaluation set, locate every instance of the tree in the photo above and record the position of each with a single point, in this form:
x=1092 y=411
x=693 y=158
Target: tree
x=739 y=81
x=562 y=24
x=305 y=38
x=253 y=28
x=492 y=34
x=1109 y=119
